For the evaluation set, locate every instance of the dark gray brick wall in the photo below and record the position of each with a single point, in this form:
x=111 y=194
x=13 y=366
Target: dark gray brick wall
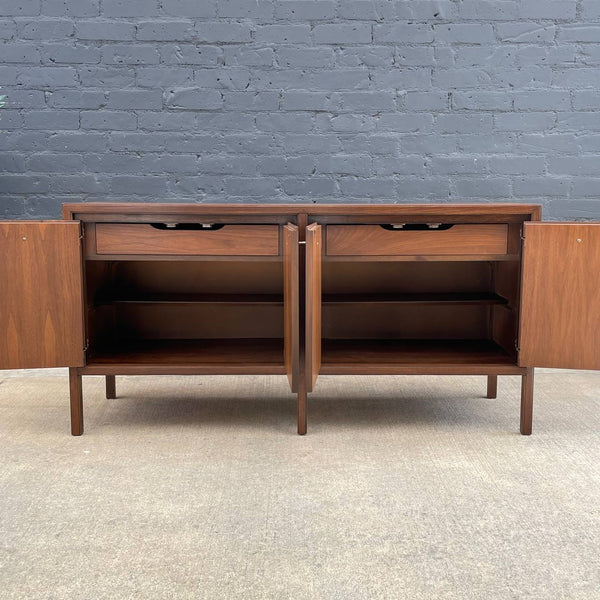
x=300 y=100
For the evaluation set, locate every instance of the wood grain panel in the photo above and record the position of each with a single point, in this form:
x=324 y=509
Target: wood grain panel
x=94 y=210
x=291 y=305
x=76 y=401
x=172 y=357
x=173 y=320
x=527 y=402
x=350 y=277
x=505 y=319
x=505 y=328
x=442 y=357
x=421 y=259
x=41 y=302
x=198 y=277
x=373 y=240
x=313 y=304
x=230 y=240
x=560 y=302
x=388 y=368
x=368 y=320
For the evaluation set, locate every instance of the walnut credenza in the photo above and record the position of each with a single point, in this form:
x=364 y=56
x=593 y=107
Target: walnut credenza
x=299 y=290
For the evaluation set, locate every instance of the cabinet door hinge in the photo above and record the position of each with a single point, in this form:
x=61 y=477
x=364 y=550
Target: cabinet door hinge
x=87 y=345
x=523 y=233
x=517 y=347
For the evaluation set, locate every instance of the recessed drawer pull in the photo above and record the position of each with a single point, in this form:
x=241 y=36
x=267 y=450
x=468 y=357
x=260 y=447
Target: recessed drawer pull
x=418 y=226
x=188 y=226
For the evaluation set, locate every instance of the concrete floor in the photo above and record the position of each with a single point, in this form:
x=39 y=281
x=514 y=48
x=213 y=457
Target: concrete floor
x=198 y=487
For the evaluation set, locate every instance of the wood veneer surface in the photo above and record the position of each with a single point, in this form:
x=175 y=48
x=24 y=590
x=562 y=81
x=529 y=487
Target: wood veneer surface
x=373 y=240
x=291 y=305
x=41 y=303
x=313 y=304
x=197 y=351
x=560 y=305
x=231 y=240
x=114 y=209
x=456 y=352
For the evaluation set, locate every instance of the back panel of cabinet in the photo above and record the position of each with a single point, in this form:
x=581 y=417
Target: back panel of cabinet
x=184 y=300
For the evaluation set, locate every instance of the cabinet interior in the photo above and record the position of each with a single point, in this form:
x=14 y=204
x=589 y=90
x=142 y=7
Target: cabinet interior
x=419 y=311
x=185 y=311
x=215 y=311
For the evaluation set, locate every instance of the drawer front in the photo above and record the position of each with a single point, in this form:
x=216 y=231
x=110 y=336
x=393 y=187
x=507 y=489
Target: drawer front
x=374 y=240
x=229 y=240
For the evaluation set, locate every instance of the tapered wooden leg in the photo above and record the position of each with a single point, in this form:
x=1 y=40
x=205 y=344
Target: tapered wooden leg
x=302 y=401
x=527 y=402
x=76 y=392
x=111 y=387
x=492 y=386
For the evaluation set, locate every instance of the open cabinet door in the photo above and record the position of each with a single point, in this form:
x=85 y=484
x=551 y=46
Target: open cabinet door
x=291 y=305
x=41 y=301
x=313 y=305
x=560 y=296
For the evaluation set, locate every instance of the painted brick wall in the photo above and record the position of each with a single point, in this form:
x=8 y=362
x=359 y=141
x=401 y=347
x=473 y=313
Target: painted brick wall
x=300 y=100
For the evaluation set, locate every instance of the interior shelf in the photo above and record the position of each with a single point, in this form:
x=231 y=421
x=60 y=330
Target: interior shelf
x=427 y=298
x=277 y=299
x=407 y=352
x=138 y=298
x=264 y=352
x=423 y=258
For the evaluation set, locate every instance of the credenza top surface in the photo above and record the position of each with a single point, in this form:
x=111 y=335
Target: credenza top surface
x=72 y=210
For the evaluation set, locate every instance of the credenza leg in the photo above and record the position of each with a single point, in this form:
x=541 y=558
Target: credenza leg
x=302 y=402
x=492 y=386
x=76 y=392
x=111 y=387
x=527 y=402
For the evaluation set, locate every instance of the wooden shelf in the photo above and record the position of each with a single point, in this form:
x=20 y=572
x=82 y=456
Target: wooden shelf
x=216 y=356
x=447 y=298
x=276 y=299
x=426 y=258
x=362 y=356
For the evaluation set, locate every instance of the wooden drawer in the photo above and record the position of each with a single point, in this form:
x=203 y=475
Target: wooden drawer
x=228 y=240
x=377 y=240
